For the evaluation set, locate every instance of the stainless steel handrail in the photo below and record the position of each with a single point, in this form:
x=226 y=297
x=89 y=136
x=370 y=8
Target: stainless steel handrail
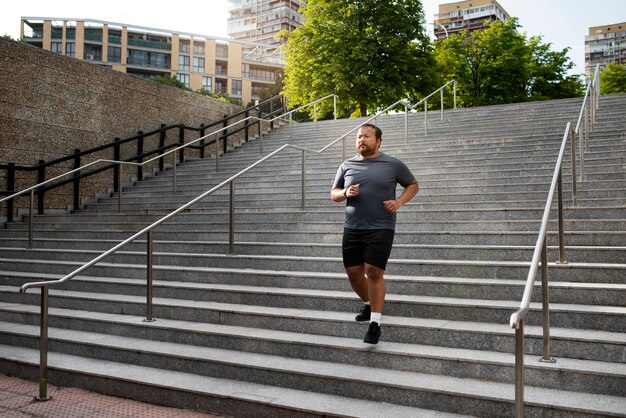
x=149 y=230
x=172 y=151
x=540 y=252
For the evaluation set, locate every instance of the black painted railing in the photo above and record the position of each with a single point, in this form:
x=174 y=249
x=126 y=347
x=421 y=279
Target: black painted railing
x=139 y=143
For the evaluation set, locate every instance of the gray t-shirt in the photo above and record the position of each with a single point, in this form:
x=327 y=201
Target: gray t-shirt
x=378 y=178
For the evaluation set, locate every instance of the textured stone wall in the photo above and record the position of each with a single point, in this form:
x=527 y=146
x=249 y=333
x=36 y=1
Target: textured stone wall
x=51 y=105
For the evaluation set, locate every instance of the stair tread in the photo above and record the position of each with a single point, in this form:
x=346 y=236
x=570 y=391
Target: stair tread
x=225 y=388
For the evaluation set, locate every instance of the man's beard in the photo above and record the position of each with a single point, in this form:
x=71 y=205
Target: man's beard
x=367 y=151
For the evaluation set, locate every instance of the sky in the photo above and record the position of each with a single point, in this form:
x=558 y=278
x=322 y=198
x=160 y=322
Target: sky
x=562 y=23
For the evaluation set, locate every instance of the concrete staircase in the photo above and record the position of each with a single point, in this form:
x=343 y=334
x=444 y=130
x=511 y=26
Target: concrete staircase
x=270 y=331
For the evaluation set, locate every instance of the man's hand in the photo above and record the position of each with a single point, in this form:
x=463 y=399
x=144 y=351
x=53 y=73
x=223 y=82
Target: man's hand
x=353 y=190
x=392 y=206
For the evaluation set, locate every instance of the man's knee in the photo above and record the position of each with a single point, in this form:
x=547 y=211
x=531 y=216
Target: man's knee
x=373 y=272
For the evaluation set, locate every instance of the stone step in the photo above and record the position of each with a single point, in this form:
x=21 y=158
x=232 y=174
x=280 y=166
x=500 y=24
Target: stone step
x=326 y=234
x=188 y=390
x=305 y=247
x=502 y=269
x=225 y=341
x=498 y=289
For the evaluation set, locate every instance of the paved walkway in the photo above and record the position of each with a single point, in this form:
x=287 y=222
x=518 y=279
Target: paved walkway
x=17 y=401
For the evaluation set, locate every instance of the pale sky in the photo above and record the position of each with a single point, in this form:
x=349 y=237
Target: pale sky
x=563 y=23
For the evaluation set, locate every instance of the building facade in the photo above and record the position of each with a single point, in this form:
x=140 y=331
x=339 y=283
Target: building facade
x=236 y=69
x=467 y=15
x=604 y=45
x=261 y=20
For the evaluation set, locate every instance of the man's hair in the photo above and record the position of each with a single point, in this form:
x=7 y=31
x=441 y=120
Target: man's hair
x=377 y=130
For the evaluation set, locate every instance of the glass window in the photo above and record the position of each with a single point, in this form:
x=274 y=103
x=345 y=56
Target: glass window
x=198 y=65
x=207 y=84
x=183 y=62
x=236 y=88
x=56 y=47
x=198 y=49
x=70 y=49
x=185 y=47
x=183 y=78
x=114 y=54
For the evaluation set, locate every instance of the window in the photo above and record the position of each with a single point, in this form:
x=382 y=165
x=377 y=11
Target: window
x=183 y=62
x=184 y=47
x=198 y=49
x=114 y=54
x=56 y=47
x=183 y=78
x=70 y=49
x=236 y=88
x=207 y=84
x=220 y=69
x=198 y=65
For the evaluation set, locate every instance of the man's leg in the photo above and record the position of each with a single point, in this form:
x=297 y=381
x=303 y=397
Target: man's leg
x=376 y=287
x=358 y=281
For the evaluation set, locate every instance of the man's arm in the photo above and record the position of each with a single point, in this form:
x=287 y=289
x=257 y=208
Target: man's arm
x=407 y=194
x=339 y=195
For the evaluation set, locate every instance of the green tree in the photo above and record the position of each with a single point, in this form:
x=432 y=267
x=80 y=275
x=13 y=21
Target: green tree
x=500 y=65
x=613 y=79
x=369 y=52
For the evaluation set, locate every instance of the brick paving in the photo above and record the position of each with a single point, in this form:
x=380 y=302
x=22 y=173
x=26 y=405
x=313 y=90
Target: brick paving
x=17 y=401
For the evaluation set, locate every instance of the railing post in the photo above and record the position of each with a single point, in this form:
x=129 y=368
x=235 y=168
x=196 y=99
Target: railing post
x=582 y=155
x=31 y=211
x=519 y=370
x=572 y=139
x=43 y=346
x=162 y=135
x=335 y=107
x=41 y=177
x=121 y=188
x=247 y=133
x=303 y=203
x=406 y=124
x=149 y=317
x=441 y=91
x=225 y=134
x=76 y=182
x=454 y=91
x=426 y=117
x=315 y=115
x=560 y=213
x=231 y=219
x=261 y=121
x=202 y=140
x=291 y=127
x=139 y=158
x=217 y=153
x=272 y=115
x=116 y=168
x=10 y=189
x=174 y=172
x=181 y=141
x=547 y=346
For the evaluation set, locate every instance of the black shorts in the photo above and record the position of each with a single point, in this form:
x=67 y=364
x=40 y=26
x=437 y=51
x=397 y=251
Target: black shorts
x=371 y=246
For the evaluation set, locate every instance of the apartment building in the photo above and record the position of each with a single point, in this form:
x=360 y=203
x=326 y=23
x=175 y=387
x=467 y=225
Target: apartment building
x=261 y=20
x=238 y=69
x=467 y=15
x=603 y=45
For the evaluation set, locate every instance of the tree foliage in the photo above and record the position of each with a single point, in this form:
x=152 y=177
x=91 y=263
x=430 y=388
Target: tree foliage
x=370 y=53
x=500 y=65
x=613 y=79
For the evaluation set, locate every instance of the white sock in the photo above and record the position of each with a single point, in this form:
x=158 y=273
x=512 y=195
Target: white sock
x=367 y=303
x=376 y=317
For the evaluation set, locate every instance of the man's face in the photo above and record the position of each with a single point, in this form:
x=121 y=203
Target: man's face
x=366 y=142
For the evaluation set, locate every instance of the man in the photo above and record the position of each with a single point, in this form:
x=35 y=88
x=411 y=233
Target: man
x=368 y=183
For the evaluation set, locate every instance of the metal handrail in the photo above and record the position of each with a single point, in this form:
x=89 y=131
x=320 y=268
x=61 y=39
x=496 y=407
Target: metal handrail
x=171 y=151
x=44 y=285
x=540 y=252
